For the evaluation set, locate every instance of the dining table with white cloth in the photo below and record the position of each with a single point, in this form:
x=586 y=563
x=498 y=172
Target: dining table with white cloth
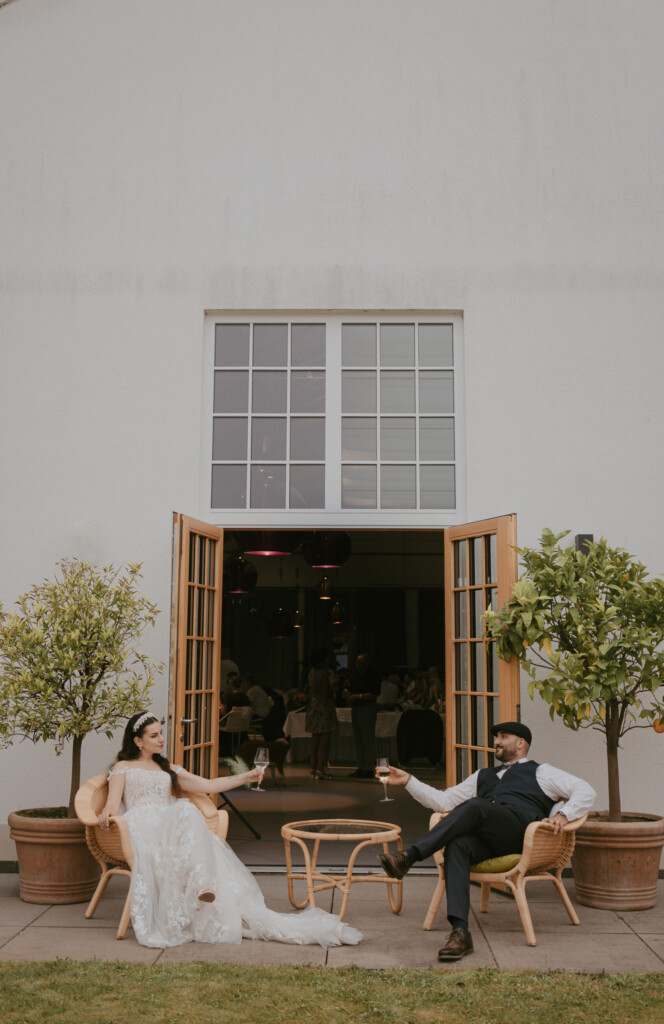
x=342 y=747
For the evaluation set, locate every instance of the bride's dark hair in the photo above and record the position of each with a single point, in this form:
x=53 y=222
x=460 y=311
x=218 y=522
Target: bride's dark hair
x=130 y=751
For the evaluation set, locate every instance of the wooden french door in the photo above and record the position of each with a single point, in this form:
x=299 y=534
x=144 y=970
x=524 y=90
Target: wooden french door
x=198 y=550
x=480 y=689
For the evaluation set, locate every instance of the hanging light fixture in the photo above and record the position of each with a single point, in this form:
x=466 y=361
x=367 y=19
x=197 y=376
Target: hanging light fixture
x=267 y=542
x=325 y=589
x=297 y=619
x=326 y=549
x=240 y=576
x=279 y=624
x=338 y=613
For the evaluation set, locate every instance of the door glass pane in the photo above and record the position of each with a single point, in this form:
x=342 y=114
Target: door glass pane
x=268 y=437
x=358 y=486
x=437 y=487
x=307 y=438
x=358 y=391
x=270 y=344
x=476 y=611
x=269 y=391
x=491 y=558
x=462 y=763
x=231 y=344
x=397 y=344
x=229 y=438
x=491 y=598
x=435 y=345
x=229 y=486
x=307 y=487
x=397 y=391
x=491 y=667
x=268 y=487
x=475 y=544
x=461 y=666
x=358 y=437
x=308 y=345
x=492 y=716
x=358 y=344
x=477 y=666
x=460 y=617
x=436 y=391
x=397 y=440
x=397 y=487
x=436 y=439
x=308 y=391
x=460 y=563
x=461 y=703
x=231 y=391
x=477 y=721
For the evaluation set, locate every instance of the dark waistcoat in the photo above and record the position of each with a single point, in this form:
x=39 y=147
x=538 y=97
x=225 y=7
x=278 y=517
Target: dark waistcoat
x=517 y=788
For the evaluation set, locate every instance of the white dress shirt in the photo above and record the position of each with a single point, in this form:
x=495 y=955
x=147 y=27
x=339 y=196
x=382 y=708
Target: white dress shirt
x=573 y=796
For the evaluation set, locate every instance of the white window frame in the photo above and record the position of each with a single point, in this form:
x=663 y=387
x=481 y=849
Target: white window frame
x=358 y=518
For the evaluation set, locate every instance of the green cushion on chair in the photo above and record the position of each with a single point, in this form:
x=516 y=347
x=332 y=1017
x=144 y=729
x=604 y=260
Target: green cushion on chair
x=497 y=864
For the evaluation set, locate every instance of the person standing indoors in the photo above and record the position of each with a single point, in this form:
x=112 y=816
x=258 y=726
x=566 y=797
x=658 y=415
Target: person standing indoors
x=362 y=695
x=489 y=814
x=321 y=714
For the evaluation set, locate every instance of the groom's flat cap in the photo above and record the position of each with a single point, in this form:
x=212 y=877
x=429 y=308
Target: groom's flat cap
x=515 y=728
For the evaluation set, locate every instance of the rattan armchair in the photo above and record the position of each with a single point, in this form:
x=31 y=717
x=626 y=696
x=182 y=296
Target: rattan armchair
x=113 y=846
x=542 y=859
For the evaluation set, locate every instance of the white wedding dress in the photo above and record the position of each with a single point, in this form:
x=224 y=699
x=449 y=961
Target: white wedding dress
x=176 y=856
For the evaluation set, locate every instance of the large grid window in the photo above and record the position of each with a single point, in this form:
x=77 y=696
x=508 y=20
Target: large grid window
x=335 y=416
x=268 y=433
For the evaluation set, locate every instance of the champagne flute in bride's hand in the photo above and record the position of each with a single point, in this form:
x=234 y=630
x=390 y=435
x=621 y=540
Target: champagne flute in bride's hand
x=383 y=770
x=261 y=760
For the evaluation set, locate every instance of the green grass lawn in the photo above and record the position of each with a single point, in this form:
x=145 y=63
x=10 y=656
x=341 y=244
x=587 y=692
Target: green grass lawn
x=98 y=993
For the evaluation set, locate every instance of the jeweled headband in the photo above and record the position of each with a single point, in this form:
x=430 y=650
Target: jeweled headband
x=139 y=722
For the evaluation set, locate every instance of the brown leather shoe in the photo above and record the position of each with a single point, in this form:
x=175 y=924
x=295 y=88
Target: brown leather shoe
x=459 y=943
x=396 y=865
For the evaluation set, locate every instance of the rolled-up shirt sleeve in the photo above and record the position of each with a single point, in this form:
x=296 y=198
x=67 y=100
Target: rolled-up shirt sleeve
x=442 y=799
x=573 y=796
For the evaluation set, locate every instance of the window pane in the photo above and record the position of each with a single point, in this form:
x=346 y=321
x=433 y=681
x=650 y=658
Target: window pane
x=436 y=391
x=308 y=391
x=229 y=487
x=358 y=486
x=231 y=391
x=358 y=391
x=461 y=667
x=268 y=487
x=397 y=439
x=460 y=614
x=476 y=612
x=436 y=439
x=492 y=681
x=307 y=487
x=490 y=558
x=397 y=391
x=231 y=345
x=269 y=394
x=434 y=345
x=270 y=344
x=229 y=438
x=358 y=437
x=477 y=711
x=397 y=487
x=477 y=666
x=358 y=345
x=268 y=437
x=308 y=345
x=437 y=487
x=397 y=344
x=307 y=438
x=462 y=763
x=475 y=561
x=460 y=563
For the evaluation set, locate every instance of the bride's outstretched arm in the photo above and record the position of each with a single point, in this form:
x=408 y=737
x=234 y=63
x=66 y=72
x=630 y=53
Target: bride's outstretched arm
x=112 y=805
x=197 y=784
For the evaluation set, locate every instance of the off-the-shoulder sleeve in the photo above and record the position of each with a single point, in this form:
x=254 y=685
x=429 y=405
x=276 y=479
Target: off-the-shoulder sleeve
x=116 y=771
x=177 y=768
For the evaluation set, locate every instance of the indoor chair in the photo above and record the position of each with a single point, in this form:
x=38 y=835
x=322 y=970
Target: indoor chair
x=542 y=859
x=113 y=846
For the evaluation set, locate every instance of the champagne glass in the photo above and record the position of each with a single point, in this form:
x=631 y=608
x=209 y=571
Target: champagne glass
x=383 y=769
x=261 y=760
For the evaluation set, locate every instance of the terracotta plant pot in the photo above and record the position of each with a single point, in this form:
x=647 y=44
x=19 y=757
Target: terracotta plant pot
x=616 y=864
x=54 y=863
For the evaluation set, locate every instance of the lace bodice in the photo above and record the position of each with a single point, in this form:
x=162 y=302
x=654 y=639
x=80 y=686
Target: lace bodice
x=144 y=786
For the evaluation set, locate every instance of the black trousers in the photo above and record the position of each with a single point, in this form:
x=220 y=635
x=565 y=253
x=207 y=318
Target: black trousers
x=473 y=831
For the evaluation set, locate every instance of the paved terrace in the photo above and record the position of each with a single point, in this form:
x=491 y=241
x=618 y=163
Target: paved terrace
x=604 y=941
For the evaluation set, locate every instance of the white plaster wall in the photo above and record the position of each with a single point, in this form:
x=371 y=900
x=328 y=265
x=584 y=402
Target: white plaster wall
x=162 y=158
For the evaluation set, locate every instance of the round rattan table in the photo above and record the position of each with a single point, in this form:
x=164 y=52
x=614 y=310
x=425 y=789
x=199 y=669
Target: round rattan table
x=339 y=830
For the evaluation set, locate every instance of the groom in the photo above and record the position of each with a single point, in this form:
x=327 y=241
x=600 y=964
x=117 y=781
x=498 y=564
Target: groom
x=490 y=811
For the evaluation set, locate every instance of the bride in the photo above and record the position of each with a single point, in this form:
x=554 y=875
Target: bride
x=187 y=884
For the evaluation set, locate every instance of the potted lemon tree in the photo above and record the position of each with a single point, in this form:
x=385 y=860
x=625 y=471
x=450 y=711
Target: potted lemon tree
x=588 y=627
x=69 y=667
